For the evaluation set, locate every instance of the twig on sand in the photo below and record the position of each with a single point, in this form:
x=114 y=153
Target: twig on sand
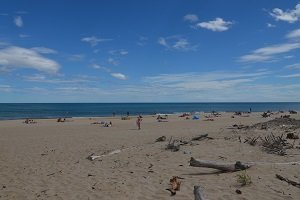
x=93 y=157
x=288 y=181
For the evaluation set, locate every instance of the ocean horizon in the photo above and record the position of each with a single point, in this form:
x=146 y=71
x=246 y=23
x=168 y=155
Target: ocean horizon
x=10 y=111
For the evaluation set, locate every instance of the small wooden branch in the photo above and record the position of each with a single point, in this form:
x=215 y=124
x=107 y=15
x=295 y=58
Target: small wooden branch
x=226 y=167
x=288 y=181
x=93 y=157
x=198 y=193
x=201 y=137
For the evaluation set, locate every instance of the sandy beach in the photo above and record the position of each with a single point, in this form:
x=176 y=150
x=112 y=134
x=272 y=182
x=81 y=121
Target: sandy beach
x=48 y=160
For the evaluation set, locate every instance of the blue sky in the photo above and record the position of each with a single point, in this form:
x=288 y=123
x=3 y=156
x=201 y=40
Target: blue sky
x=149 y=51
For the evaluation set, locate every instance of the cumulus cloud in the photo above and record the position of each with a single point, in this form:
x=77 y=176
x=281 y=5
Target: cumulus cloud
x=290 y=16
x=295 y=34
x=192 y=18
x=217 y=25
x=18 y=21
x=93 y=41
x=267 y=53
x=44 y=50
x=119 y=76
x=176 y=43
x=13 y=57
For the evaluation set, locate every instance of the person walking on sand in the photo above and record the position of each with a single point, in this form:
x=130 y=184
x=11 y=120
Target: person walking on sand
x=138 y=122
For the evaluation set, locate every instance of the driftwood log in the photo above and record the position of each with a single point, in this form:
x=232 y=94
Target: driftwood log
x=198 y=193
x=225 y=167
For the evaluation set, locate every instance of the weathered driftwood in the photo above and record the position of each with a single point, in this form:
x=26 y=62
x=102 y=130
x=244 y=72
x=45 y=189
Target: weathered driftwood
x=201 y=137
x=93 y=157
x=288 y=181
x=226 y=167
x=198 y=193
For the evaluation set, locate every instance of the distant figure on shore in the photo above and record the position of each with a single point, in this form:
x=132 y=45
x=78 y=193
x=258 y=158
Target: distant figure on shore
x=250 y=110
x=61 y=119
x=127 y=114
x=29 y=121
x=138 y=122
x=113 y=114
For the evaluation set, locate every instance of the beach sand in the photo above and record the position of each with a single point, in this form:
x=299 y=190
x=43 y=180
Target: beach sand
x=48 y=160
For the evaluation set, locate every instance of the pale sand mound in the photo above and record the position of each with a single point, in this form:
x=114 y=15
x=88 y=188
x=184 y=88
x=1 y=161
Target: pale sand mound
x=47 y=160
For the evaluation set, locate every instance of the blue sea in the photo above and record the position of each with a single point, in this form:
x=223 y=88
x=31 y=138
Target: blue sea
x=54 y=110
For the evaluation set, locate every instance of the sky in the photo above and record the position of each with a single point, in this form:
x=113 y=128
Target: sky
x=149 y=51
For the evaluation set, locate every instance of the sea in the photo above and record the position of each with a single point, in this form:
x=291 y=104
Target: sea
x=68 y=110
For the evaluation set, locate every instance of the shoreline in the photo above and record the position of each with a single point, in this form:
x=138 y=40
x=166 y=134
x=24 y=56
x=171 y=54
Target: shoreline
x=162 y=114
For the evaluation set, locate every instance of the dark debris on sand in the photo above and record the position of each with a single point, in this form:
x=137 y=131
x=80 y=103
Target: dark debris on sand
x=278 y=123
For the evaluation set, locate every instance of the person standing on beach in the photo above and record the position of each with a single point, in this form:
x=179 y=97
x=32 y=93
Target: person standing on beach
x=138 y=122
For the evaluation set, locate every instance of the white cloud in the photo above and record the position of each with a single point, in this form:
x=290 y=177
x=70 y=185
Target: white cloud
x=163 y=42
x=41 y=78
x=176 y=43
x=289 y=16
x=142 y=41
x=181 y=44
x=24 y=36
x=76 y=57
x=113 y=61
x=217 y=25
x=295 y=34
x=13 y=57
x=269 y=25
x=119 y=76
x=293 y=66
x=192 y=18
x=93 y=41
x=5 y=88
x=205 y=81
x=276 y=49
x=291 y=76
x=44 y=50
x=121 y=52
x=267 y=53
x=18 y=21
x=96 y=66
